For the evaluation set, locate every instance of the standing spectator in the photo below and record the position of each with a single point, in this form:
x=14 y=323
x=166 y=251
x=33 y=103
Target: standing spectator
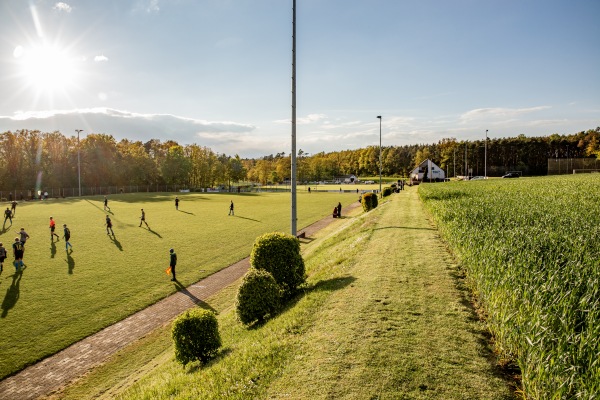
x=106 y=207
x=309 y=190
x=13 y=207
x=231 y=208
x=2 y=256
x=67 y=236
x=24 y=236
x=52 y=228
x=109 y=225
x=143 y=219
x=339 y=210
x=176 y=203
x=7 y=215
x=335 y=213
x=173 y=263
x=18 y=250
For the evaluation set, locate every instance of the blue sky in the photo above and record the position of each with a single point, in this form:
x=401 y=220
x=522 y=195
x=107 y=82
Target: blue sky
x=218 y=72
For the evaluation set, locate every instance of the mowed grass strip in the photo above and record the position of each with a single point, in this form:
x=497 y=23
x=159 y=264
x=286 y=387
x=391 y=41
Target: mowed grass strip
x=62 y=297
x=382 y=317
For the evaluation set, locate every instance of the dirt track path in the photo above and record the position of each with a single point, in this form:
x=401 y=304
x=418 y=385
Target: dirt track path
x=58 y=370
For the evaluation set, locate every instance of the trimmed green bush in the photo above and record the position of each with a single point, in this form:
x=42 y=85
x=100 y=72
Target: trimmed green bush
x=258 y=298
x=387 y=191
x=196 y=336
x=369 y=201
x=279 y=254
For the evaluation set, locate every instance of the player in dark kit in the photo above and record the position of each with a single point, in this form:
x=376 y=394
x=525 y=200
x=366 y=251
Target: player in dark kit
x=18 y=250
x=143 y=218
x=7 y=215
x=67 y=237
x=109 y=225
x=173 y=263
x=177 y=203
x=2 y=256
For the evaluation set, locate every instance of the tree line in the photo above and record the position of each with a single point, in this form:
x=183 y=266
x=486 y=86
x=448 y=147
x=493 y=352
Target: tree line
x=31 y=159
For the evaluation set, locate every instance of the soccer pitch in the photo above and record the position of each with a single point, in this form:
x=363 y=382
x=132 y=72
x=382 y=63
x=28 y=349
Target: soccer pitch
x=62 y=297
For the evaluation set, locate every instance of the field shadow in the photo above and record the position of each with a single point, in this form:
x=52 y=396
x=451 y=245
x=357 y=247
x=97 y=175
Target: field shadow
x=5 y=229
x=508 y=372
x=12 y=294
x=182 y=289
x=116 y=242
x=186 y=212
x=332 y=284
x=52 y=249
x=250 y=219
x=70 y=263
x=154 y=232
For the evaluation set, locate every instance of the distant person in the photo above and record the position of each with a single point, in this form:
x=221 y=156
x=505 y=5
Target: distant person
x=2 y=256
x=67 y=237
x=13 y=208
x=143 y=219
x=24 y=236
x=339 y=210
x=177 y=203
x=109 y=225
x=10 y=197
x=52 y=228
x=18 y=250
x=106 y=207
x=7 y=215
x=309 y=190
x=335 y=212
x=231 y=208
x=173 y=263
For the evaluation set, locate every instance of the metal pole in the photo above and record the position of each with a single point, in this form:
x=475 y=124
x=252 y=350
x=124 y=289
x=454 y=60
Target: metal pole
x=379 y=116
x=293 y=156
x=78 y=161
x=485 y=155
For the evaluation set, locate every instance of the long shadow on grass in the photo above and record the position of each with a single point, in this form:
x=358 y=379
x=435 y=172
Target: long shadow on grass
x=186 y=212
x=70 y=263
x=510 y=372
x=101 y=209
x=250 y=219
x=12 y=294
x=52 y=249
x=113 y=239
x=182 y=289
x=156 y=233
x=327 y=285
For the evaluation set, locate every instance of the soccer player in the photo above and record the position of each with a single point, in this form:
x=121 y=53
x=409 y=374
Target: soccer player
x=67 y=236
x=109 y=225
x=106 y=207
x=173 y=263
x=24 y=236
x=143 y=219
x=177 y=203
x=231 y=208
x=7 y=215
x=18 y=250
x=13 y=207
x=52 y=228
x=2 y=256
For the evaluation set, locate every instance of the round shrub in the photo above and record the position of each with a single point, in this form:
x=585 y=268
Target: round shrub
x=279 y=254
x=369 y=201
x=387 y=191
x=196 y=336
x=258 y=298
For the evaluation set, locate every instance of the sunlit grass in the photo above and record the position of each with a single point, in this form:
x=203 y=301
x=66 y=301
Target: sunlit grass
x=531 y=248
x=62 y=297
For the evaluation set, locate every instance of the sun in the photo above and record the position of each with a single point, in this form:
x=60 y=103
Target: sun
x=46 y=68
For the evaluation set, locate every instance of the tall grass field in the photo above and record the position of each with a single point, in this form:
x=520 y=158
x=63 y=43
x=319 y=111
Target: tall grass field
x=531 y=249
x=63 y=296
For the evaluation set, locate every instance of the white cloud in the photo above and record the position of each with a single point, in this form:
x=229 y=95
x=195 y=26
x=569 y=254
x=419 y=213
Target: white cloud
x=100 y=58
x=63 y=7
x=147 y=6
x=309 y=119
x=498 y=113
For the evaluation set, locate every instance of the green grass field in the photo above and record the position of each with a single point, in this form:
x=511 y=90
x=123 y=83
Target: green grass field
x=531 y=248
x=63 y=297
x=378 y=319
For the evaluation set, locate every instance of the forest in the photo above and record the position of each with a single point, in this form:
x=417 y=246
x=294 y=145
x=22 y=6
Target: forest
x=31 y=159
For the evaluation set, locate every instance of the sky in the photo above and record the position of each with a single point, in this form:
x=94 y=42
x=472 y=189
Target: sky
x=218 y=72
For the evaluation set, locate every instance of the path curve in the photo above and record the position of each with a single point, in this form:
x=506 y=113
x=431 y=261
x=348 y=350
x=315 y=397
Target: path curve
x=56 y=371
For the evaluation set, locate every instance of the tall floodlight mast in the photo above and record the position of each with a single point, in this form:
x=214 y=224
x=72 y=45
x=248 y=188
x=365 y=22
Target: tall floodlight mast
x=293 y=156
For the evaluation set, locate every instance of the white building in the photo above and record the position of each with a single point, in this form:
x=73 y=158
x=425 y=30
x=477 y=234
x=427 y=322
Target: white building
x=346 y=179
x=427 y=171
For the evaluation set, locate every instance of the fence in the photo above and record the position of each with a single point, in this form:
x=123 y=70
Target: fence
x=561 y=166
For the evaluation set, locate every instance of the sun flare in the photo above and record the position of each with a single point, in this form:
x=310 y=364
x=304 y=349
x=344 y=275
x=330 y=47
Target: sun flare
x=46 y=68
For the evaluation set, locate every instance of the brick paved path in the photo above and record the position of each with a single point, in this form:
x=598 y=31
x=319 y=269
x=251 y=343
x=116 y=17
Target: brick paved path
x=58 y=370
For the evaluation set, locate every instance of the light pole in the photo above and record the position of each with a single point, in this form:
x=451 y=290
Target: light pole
x=293 y=155
x=379 y=116
x=485 y=155
x=78 y=161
